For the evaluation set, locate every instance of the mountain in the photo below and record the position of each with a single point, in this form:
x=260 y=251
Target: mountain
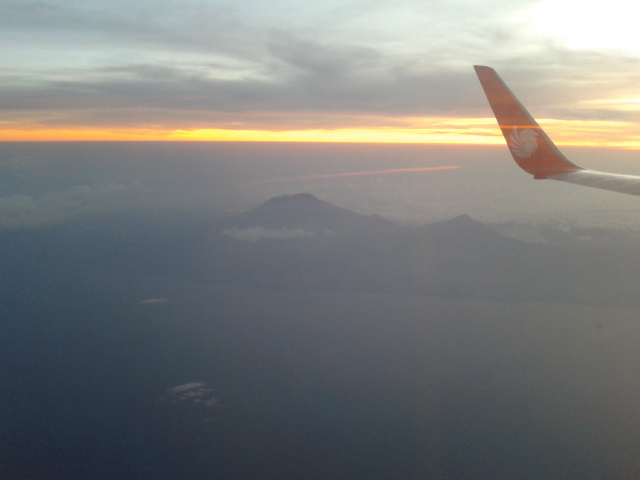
x=307 y=212
x=298 y=242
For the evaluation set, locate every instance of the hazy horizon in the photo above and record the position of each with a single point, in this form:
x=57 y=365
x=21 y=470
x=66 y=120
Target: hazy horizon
x=45 y=183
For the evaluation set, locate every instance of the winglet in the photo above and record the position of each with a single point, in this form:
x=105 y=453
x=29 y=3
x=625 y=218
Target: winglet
x=530 y=146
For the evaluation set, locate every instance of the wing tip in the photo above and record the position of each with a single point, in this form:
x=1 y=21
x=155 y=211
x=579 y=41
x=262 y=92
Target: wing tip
x=529 y=145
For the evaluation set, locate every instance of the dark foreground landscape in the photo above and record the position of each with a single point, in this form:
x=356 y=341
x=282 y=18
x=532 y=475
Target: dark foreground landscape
x=303 y=340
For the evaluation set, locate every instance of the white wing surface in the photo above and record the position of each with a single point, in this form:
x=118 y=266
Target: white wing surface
x=533 y=150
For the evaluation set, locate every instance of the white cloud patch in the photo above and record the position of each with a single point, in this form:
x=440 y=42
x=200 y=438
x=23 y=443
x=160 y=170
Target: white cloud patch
x=191 y=392
x=153 y=301
x=193 y=398
x=255 y=234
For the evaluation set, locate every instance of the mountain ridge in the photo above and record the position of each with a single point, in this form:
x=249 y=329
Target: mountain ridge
x=299 y=242
x=303 y=210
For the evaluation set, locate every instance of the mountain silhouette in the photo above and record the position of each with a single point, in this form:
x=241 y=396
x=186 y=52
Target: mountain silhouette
x=298 y=242
x=457 y=258
x=305 y=211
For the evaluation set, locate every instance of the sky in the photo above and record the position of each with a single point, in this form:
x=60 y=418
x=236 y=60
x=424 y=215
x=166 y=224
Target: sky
x=292 y=70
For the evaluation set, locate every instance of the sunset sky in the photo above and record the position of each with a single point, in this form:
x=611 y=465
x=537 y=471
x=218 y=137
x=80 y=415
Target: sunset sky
x=293 y=70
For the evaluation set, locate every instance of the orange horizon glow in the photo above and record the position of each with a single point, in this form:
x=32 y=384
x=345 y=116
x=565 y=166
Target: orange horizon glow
x=462 y=131
x=341 y=135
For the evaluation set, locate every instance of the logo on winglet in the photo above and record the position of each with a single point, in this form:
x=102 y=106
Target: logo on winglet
x=523 y=143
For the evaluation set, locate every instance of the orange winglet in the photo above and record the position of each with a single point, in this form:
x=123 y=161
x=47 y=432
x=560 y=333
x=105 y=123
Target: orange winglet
x=530 y=146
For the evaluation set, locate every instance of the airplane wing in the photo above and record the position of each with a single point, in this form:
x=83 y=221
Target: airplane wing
x=533 y=150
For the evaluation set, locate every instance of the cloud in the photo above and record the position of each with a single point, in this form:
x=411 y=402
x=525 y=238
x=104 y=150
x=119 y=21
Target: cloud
x=196 y=65
x=188 y=391
x=193 y=398
x=255 y=234
x=329 y=62
x=153 y=301
x=196 y=393
x=26 y=211
x=343 y=87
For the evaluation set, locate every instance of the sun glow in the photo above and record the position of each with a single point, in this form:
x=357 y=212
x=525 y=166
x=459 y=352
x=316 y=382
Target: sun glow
x=354 y=135
x=581 y=25
x=474 y=131
x=460 y=135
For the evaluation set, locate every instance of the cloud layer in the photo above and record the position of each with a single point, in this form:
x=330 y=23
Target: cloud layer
x=26 y=211
x=255 y=234
x=195 y=65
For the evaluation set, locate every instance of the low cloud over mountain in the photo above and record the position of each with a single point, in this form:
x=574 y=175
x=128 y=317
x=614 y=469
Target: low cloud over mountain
x=301 y=242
